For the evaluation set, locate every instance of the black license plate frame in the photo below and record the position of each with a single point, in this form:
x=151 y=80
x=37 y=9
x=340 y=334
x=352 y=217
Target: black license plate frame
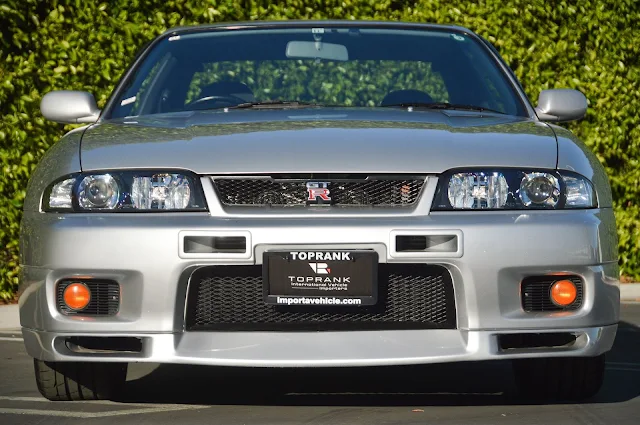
x=320 y=277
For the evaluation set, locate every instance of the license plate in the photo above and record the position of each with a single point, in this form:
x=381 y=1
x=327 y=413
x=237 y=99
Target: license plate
x=331 y=278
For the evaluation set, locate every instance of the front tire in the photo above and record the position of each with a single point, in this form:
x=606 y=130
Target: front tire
x=71 y=381
x=559 y=378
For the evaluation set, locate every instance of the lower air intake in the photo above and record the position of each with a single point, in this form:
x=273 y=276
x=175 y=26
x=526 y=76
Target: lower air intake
x=410 y=296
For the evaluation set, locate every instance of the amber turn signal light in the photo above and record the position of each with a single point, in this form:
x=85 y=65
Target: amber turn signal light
x=564 y=293
x=77 y=296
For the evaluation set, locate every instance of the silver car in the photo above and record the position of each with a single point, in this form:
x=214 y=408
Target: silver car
x=318 y=193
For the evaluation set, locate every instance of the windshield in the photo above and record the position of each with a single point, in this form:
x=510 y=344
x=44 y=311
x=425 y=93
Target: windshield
x=332 y=66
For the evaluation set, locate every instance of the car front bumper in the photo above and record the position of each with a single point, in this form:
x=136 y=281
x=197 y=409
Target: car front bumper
x=142 y=253
x=317 y=349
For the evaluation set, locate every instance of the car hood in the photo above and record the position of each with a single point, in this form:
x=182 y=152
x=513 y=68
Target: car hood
x=318 y=141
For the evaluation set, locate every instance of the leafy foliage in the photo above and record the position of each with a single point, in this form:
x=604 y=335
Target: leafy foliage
x=361 y=81
x=590 y=45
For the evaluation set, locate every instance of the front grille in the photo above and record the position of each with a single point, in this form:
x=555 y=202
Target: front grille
x=105 y=298
x=410 y=296
x=384 y=191
x=536 y=293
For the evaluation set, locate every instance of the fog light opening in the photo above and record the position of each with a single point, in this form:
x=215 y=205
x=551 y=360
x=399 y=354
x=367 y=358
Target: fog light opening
x=563 y=293
x=77 y=296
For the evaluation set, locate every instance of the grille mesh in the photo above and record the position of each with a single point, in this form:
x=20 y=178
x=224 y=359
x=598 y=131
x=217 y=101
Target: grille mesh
x=409 y=296
x=536 y=293
x=373 y=191
x=105 y=298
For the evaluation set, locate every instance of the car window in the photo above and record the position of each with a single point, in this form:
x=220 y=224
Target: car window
x=353 y=83
x=500 y=96
x=137 y=98
x=347 y=67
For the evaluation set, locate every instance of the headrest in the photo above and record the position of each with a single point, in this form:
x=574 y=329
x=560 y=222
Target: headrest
x=406 y=96
x=228 y=88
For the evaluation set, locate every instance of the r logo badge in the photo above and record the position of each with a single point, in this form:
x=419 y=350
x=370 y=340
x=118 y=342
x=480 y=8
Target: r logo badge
x=318 y=193
x=320 y=268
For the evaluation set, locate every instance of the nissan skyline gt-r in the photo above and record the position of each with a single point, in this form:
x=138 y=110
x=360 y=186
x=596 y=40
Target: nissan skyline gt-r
x=318 y=194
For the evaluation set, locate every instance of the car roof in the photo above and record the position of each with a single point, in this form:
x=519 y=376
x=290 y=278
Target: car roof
x=313 y=23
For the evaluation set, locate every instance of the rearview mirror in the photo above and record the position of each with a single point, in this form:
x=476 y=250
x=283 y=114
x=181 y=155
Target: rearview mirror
x=559 y=105
x=317 y=50
x=69 y=107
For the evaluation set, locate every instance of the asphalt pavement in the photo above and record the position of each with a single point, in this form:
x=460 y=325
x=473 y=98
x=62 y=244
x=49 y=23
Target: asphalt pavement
x=461 y=393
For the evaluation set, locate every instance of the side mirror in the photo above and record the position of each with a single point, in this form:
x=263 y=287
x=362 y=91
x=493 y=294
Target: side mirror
x=561 y=105
x=66 y=106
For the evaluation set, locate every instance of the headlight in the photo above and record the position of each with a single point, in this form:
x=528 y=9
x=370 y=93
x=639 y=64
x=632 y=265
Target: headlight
x=126 y=191
x=578 y=192
x=161 y=191
x=60 y=194
x=99 y=192
x=539 y=189
x=505 y=189
x=477 y=190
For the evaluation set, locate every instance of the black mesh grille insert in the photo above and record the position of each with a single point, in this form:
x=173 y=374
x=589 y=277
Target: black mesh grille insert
x=105 y=298
x=536 y=293
x=410 y=296
x=372 y=191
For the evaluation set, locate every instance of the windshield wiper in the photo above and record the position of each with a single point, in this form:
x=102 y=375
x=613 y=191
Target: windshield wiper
x=277 y=103
x=444 y=105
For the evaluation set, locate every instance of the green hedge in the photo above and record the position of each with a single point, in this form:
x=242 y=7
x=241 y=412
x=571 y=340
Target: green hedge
x=593 y=46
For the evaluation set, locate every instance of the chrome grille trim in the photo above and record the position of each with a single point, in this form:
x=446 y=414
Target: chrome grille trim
x=373 y=191
x=218 y=209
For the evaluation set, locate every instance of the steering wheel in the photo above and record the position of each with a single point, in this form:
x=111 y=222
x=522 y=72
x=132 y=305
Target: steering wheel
x=227 y=98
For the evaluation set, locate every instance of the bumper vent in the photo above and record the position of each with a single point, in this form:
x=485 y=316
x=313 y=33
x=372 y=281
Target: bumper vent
x=426 y=243
x=536 y=293
x=532 y=341
x=214 y=244
x=355 y=191
x=409 y=297
x=105 y=298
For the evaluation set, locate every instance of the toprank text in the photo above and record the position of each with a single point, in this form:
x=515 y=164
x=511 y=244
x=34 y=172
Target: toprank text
x=321 y=256
x=318 y=279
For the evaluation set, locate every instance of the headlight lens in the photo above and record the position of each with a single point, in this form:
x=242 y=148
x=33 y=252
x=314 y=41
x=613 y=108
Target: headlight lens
x=127 y=191
x=579 y=192
x=161 y=191
x=539 y=189
x=99 y=191
x=60 y=196
x=513 y=189
x=477 y=190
